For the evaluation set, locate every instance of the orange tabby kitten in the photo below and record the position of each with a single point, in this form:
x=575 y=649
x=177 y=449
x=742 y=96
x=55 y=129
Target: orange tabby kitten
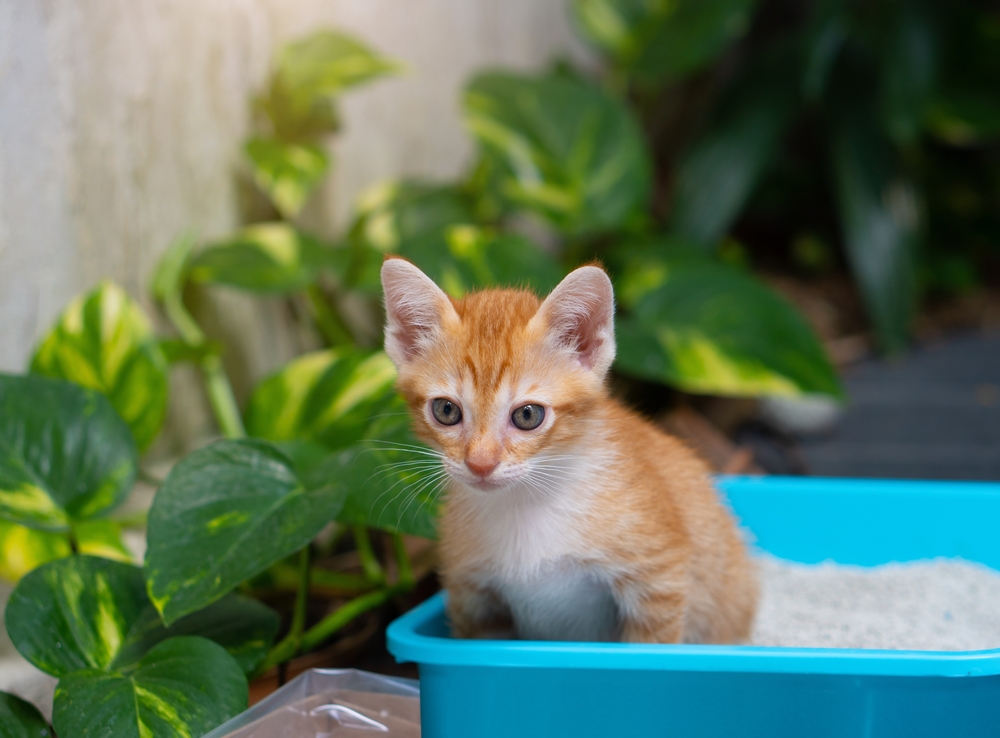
x=568 y=516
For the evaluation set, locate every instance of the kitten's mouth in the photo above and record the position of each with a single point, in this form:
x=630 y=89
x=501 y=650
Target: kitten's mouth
x=489 y=484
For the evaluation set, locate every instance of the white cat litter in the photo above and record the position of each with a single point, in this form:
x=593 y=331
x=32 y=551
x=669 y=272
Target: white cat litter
x=934 y=605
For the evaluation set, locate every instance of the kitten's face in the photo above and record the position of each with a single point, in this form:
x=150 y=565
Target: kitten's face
x=500 y=382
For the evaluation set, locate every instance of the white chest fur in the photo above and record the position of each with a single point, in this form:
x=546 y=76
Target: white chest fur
x=531 y=552
x=561 y=602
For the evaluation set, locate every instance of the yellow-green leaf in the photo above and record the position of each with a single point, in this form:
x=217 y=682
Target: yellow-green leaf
x=102 y=538
x=433 y=227
x=329 y=397
x=103 y=341
x=309 y=75
x=287 y=172
x=23 y=549
x=182 y=688
x=83 y=612
x=569 y=152
x=394 y=482
x=708 y=328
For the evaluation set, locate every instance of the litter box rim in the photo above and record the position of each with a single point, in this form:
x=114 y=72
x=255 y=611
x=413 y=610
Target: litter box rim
x=411 y=636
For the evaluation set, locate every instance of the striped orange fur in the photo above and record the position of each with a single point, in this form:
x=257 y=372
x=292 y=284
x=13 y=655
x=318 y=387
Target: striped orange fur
x=594 y=525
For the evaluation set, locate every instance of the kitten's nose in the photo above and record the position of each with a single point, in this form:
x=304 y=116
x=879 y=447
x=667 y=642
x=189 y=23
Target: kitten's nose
x=482 y=461
x=482 y=467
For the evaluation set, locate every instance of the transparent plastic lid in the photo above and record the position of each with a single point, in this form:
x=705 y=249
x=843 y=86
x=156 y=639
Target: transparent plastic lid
x=332 y=703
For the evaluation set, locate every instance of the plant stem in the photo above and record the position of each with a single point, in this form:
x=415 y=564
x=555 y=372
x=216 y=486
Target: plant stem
x=286 y=578
x=291 y=643
x=220 y=391
x=346 y=613
x=301 y=599
x=220 y=394
x=369 y=562
x=403 y=565
x=328 y=322
x=135 y=519
x=339 y=580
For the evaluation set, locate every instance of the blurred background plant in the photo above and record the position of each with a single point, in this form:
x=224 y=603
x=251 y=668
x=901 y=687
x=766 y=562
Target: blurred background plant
x=719 y=141
x=808 y=137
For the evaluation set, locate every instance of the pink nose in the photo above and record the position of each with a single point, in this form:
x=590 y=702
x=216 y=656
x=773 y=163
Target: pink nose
x=481 y=468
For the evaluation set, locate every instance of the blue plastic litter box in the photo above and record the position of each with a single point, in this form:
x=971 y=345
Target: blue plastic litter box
x=482 y=689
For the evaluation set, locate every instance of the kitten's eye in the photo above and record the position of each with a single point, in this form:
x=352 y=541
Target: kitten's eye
x=528 y=417
x=445 y=411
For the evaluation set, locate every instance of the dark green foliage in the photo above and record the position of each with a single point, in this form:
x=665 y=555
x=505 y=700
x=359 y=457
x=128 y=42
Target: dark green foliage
x=184 y=686
x=90 y=613
x=568 y=152
x=211 y=504
x=272 y=257
x=65 y=454
x=704 y=326
x=20 y=719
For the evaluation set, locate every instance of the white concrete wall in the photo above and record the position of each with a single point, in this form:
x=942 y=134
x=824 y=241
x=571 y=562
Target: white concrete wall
x=121 y=121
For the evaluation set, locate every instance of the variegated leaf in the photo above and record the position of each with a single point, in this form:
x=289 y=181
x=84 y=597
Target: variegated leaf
x=103 y=341
x=708 y=328
x=65 y=454
x=91 y=613
x=287 y=172
x=182 y=688
x=393 y=481
x=328 y=397
x=569 y=152
x=269 y=257
x=211 y=504
x=23 y=549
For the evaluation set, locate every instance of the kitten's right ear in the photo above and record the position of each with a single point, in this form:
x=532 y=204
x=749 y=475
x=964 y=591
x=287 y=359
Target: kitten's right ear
x=415 y=309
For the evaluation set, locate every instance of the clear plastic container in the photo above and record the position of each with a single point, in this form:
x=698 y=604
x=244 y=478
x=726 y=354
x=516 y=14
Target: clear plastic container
x=332 y=703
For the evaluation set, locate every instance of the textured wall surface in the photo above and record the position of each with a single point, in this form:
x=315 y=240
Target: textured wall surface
x=120 y=126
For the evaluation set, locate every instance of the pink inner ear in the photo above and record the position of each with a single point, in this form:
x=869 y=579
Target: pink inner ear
x=579 y=316
x=583 y=337
x=415 y=308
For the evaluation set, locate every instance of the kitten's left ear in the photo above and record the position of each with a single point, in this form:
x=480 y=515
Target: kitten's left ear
x=578 y=316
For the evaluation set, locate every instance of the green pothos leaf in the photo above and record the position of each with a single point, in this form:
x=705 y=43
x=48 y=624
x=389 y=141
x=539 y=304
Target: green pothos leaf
x=23 y=549
x=101 y=538
x=212 y=503
x=393 y=481
x=183 y=687
x=434 y=227
x=90 y=613
x=287 y=172
x=719 y=173
x=75 y=613
x=20 y=719
x=469 y=258
x=310 y=74
x=65 y=454
x=658 y=39
x=103 y=341
x=708 y=328
x=327 y=396
x=269 y=257
x=570 y=153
